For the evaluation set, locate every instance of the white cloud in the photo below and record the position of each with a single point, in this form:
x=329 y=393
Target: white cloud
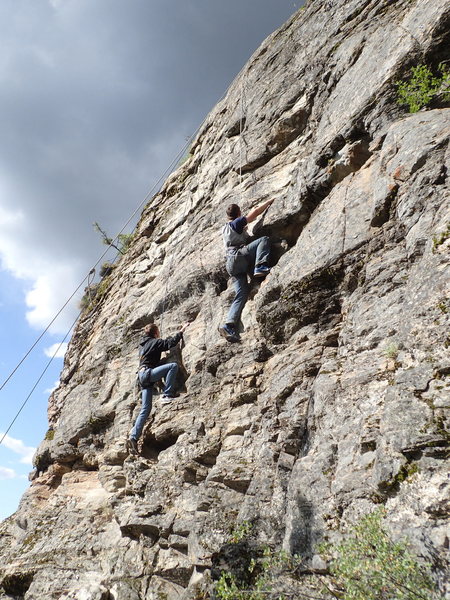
x=52 y=389
x=9 y=218
x=56 y=3
x=6 y=473
x=59 y=348
x=49 y=281
x=45 y=298
x=17 y=446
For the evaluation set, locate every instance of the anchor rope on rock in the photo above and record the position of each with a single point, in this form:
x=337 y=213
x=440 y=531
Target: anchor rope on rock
x=89 y=277
x=37 y=381
x=89 y=282
x=243 y=146
x=156 y=185
x=86 y=277
x=166 y=294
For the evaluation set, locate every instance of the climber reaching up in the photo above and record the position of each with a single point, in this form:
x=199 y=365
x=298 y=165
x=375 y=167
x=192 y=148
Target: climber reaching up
x=150 y=371
x=242 y=257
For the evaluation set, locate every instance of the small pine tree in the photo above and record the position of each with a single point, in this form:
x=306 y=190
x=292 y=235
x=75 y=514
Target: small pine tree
x=123 y=239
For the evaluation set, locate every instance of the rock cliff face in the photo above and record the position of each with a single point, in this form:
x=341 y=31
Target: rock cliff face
x=335 y=399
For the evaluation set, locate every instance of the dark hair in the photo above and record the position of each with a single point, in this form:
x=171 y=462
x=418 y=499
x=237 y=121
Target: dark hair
x=233 y=211
x=151 y=330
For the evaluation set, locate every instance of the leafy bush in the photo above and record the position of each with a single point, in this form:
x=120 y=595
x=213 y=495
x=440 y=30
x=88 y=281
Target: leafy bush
x=50 y=434
x=240 y=532
x=125 y=240
x=441 y=238
x=422 y=87
x=106 y=269
x=369 y=565
x=186 y=156
x=94 y=294
x=88 y=297
x=262 y=580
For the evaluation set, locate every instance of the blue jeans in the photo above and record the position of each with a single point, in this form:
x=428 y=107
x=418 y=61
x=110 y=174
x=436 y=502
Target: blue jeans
x=257 y=253
x=146 y=377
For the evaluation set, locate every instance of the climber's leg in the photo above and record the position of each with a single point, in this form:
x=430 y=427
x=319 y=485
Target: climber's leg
x=147 y=393
x=241 y=289
x=259 y=251
x=169 y=373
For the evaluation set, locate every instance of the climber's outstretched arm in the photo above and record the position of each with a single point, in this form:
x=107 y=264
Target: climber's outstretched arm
x=258 y=210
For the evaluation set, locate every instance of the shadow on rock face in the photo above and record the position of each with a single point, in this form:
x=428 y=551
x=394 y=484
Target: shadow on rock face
x=16 y=585
x=313 y=299
x=152 y=446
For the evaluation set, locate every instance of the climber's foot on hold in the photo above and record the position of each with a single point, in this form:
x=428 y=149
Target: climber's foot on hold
x=261 y=271
x=167 y=398
x=228 y=332
x=132 y=446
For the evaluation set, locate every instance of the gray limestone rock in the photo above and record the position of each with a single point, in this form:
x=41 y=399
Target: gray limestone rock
x=337 y=397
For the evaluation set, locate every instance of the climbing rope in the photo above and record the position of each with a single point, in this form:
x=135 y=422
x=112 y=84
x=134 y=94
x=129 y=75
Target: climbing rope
x=207 y=319
x=91 y=274
x=92 y=270
x=243 y=145
x=344 y=214
x=38 y=380
x=35 y=343
x=242 y=124
x=87 y=277
x=89 y=282
x=166 y=292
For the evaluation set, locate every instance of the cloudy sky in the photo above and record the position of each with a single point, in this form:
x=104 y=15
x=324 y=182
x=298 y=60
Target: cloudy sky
x=97 y=98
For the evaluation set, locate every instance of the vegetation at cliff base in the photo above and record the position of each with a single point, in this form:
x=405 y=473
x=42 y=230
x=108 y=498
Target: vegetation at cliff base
x=369 y=565
x=270 y=575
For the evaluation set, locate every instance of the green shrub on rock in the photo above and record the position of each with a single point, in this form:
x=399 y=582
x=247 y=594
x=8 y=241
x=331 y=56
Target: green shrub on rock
x=369 y=565
x=422 y=87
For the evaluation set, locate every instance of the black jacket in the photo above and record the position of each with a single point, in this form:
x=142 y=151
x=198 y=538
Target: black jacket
x=150 y=349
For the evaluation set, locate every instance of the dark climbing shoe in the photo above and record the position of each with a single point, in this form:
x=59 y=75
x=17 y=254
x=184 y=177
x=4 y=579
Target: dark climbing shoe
x=132 y=446
x=261 y=271
x=228 y=332
x=167 y=398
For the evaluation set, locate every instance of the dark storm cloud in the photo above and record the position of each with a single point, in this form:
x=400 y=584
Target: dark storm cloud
x=97 y=98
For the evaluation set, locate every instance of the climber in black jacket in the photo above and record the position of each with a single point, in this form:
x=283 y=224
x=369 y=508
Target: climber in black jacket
x=150 y=349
